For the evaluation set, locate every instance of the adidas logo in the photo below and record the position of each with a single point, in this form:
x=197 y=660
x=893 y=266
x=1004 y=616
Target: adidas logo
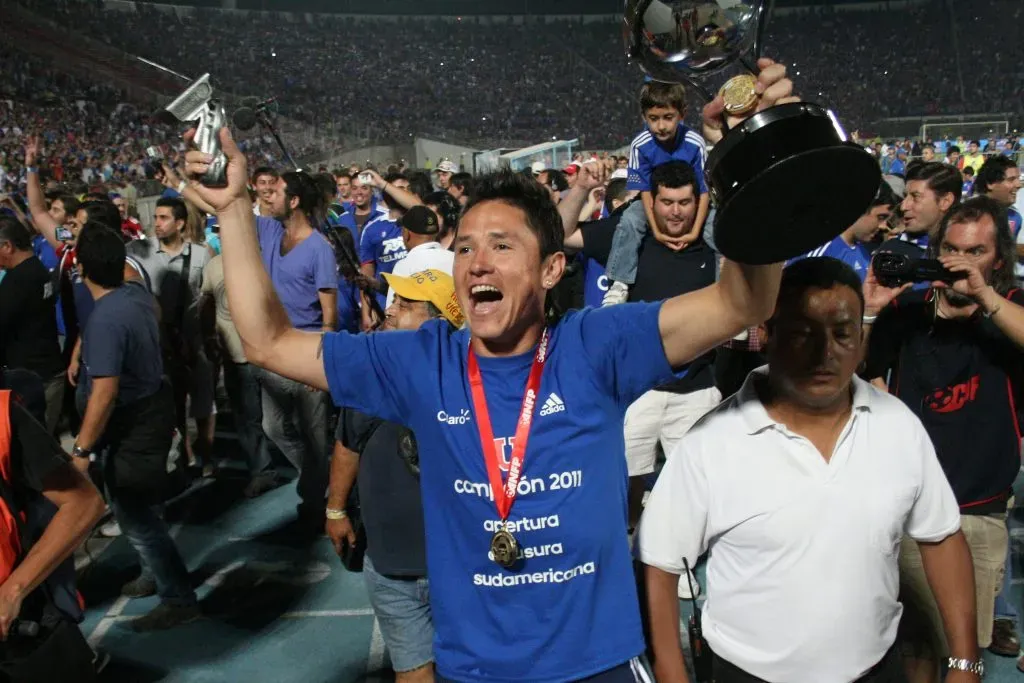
x=552 y=405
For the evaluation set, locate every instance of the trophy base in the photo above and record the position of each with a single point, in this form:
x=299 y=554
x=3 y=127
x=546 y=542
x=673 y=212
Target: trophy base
x=786 y=182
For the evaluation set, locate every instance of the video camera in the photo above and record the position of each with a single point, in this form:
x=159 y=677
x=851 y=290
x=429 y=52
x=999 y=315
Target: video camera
x=197 y=105
x=893 y=270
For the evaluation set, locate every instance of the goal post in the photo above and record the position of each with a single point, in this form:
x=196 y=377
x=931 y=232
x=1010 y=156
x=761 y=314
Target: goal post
x=969 y=130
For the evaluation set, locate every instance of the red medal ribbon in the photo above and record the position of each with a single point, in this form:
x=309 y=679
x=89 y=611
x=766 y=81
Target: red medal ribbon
x=505 y=494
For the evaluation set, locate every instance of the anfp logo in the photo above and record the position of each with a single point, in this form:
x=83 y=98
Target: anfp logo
x=503 y=447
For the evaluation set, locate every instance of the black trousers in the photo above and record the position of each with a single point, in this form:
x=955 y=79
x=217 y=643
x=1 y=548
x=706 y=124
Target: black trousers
x=888 y=670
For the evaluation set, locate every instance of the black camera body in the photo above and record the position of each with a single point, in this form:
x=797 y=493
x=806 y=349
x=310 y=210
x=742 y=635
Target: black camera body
x=893 y=270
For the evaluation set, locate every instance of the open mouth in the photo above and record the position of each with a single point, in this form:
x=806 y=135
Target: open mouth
x=484 y=298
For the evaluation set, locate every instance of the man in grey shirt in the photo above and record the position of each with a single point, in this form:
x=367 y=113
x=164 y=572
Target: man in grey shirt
x=165 y=259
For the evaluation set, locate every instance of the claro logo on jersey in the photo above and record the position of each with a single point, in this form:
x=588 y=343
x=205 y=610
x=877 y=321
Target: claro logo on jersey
x=952 y=399
x=463 y=417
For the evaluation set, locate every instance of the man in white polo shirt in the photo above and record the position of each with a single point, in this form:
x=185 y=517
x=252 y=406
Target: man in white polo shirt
x=420 y=230
x=801 y=486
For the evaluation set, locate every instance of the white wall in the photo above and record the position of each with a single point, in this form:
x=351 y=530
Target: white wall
x=435 y=151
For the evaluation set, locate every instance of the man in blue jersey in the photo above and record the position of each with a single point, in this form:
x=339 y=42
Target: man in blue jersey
x=531 y=579
x=852 y=245
x=381 y=245
x=666 y=139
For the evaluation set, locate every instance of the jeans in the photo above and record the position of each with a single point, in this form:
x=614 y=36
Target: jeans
x=296 y=419
x=1005 y=608
x=402 y=608
x=625 y=253
x=148 y=535
x=246 y=400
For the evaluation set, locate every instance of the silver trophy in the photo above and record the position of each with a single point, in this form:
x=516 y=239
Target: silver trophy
x=786 y=179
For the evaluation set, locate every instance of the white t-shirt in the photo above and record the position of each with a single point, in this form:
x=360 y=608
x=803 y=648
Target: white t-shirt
x=802 y=575
x=422 y=257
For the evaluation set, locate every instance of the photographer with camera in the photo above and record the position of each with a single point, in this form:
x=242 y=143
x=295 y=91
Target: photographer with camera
x=952 y=353
x=369 y=452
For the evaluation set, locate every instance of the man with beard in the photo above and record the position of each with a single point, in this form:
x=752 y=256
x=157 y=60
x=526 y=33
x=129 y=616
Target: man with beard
x=952 y=354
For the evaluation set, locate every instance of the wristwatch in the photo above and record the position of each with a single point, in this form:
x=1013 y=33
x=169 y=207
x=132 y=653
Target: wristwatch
x=976 y=667
x=79 y=452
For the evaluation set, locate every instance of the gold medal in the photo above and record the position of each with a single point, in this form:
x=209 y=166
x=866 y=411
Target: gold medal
x=504 y=549
x=739 y=94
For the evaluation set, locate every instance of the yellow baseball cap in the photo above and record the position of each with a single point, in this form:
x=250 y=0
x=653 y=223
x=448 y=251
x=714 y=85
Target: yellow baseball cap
x=431 y=285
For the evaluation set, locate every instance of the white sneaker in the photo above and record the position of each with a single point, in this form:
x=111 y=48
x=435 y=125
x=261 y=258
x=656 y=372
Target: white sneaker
x=616 y=294
x=684 y=591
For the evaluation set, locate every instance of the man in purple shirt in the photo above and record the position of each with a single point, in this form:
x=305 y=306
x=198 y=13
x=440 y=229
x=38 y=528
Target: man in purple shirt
x=304 y=272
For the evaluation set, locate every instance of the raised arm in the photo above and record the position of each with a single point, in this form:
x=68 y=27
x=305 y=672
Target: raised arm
x=694 y=323
x=268 y=338
x=41 y=218
x=591 y=175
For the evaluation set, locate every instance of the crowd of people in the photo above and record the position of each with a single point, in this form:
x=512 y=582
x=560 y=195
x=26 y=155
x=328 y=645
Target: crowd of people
x=568 y=398
x=451 y=79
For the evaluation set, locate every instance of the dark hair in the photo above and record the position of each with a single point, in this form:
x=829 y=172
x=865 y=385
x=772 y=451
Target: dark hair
x=101 y=253
x=69 y=201
x=419 y=182
x=557 y=180
x=342 y=240
x=464 y=182
x=176 y=205
x=616 y=190
x=952 y=148
x=264 y=170
x=447 y=206
x=301 y=185
x=993 y=171
x=885 y=196
x=940 y=178
x=12 y=230
x=657 y=94
x=391 y=178
x=327 y=184
x=672 y=176
x=972 y=211
x=817 y=272
x=528 y=196
x=102 y=211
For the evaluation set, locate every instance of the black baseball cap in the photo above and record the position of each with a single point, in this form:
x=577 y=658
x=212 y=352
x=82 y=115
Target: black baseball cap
x=420 y=220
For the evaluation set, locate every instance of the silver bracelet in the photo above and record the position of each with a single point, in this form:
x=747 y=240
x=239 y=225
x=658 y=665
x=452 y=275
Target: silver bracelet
x=335 y=514
x=868 y=319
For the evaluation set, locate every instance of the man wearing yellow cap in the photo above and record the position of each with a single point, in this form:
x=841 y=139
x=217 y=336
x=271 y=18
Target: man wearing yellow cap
x=391 y=509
